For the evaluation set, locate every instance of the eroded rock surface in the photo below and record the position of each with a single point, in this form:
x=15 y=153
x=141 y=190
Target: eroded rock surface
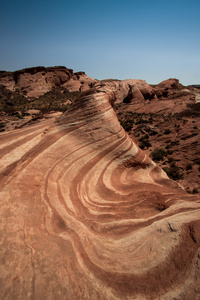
x=34 y=82
x=87 y=215
x=131 y=90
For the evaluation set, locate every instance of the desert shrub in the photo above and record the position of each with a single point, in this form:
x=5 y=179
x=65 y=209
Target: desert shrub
x=194 y=191
x=167 y=131
x=10 y=102
x=127 y=125
x=194 y=106
x=197 y=161
x=191 y=111
x=175 y=143
x=170 y=160
x=158 y=154
x=150 y=120
x=2 y=125
x=174 y=172
x=144 y=137
x=188 y=167
x=188 y=190
x=144 y=142
x=54 y=100
x=9 y=109
x=19 y=116
x=153 y=132
x=169 y=152
x=141 y=121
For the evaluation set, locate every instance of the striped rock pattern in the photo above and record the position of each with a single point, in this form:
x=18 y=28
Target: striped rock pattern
x=87 y=215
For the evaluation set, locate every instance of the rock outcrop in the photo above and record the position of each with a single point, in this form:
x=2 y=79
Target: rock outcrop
x=132 y=90
x=34 y=82
x=168 y=96
x=86 y=214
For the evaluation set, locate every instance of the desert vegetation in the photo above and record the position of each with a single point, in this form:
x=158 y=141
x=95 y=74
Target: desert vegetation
x=13 y=103
x=81 y=195
x=166 y=137
x=174 y=172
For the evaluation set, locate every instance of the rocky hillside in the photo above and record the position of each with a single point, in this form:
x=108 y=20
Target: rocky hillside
x=166 y=125
x=86 y=214
x=34 y=82
x=163 y=118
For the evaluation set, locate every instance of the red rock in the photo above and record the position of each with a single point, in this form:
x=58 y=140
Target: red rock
x=171 y=83
x=34 y=82
x=167 y=87
x=72 y=85
x=131 y=90
x=86 y=214
x=33 y=112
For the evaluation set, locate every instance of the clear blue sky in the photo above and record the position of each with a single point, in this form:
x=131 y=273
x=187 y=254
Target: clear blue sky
x=145 y=39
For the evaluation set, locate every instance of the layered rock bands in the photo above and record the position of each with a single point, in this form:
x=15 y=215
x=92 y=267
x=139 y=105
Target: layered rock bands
x=87 y=215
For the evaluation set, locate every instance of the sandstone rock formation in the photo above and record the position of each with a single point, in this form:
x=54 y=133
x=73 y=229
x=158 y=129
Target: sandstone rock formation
x=166 y=97
x=34 y=82
x=131 y=90
x=86 y=214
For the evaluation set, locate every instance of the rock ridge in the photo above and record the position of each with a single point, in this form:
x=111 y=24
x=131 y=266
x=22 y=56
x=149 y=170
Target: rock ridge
x=86 y=214
x=36 y=81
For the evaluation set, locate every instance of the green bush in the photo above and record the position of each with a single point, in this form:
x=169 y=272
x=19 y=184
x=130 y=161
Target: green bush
x=174 y=172
x=158 y=154
x=127 y=125
x=195 y=191
x=54 y=100
x=144 y=142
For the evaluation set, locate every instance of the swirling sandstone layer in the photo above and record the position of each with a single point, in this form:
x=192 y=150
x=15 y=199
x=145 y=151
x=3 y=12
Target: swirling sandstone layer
x=87 y=215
